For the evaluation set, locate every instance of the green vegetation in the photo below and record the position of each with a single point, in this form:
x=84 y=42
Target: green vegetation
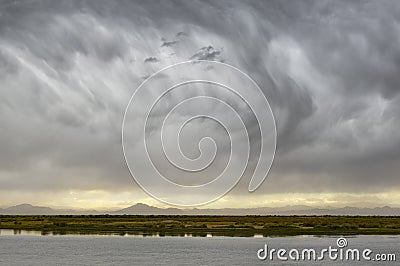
x=203 y=225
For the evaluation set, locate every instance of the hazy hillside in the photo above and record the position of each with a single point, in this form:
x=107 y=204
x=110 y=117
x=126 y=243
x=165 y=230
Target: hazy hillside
x=28 y=209
x=143 y=209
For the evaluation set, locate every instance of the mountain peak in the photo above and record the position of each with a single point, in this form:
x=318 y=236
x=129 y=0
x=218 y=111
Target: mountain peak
x=25 y=205
x=139 y=204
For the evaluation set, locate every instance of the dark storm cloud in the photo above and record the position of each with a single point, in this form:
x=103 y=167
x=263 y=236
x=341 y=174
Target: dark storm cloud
x=207 y=53
x=166 y=43
x=181 y=33
x=151 y=60
x=330 y=70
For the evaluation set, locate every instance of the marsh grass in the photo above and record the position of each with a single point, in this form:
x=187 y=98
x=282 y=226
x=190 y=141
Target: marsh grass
x=202 y=225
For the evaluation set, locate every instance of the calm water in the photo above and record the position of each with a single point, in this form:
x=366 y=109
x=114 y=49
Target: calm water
x=31 y=248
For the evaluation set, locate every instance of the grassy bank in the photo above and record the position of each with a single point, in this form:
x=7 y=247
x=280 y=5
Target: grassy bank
x=202 y=225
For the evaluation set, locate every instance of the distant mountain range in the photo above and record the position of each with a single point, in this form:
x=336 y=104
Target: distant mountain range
x=143 y=209
x=28 y=209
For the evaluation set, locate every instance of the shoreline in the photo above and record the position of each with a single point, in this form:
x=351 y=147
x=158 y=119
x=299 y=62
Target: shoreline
x=175 y=225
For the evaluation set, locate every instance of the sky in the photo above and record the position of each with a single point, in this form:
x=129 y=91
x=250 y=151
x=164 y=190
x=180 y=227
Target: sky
x=329 y=69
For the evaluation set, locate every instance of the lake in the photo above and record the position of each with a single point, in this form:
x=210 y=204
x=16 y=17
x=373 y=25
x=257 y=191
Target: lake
x=32 y=248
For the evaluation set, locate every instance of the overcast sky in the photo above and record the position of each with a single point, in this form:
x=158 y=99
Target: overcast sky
x=330 y=70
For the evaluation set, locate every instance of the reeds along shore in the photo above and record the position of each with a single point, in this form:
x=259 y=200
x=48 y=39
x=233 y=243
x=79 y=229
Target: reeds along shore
x=202 y=225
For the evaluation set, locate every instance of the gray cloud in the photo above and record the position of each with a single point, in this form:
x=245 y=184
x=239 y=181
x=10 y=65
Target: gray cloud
x=151 y=59
x=166 y=43
x=207 y=53
x=181 y=34
x=330 y=70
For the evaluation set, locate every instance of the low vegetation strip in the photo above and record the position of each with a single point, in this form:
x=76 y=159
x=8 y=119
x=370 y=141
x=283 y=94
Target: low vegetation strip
x=203 y=225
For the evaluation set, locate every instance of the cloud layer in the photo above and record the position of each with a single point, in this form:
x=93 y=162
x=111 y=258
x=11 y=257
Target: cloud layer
x=68 y=69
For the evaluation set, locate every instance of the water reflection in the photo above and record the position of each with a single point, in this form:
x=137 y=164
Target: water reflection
x=11 y=232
